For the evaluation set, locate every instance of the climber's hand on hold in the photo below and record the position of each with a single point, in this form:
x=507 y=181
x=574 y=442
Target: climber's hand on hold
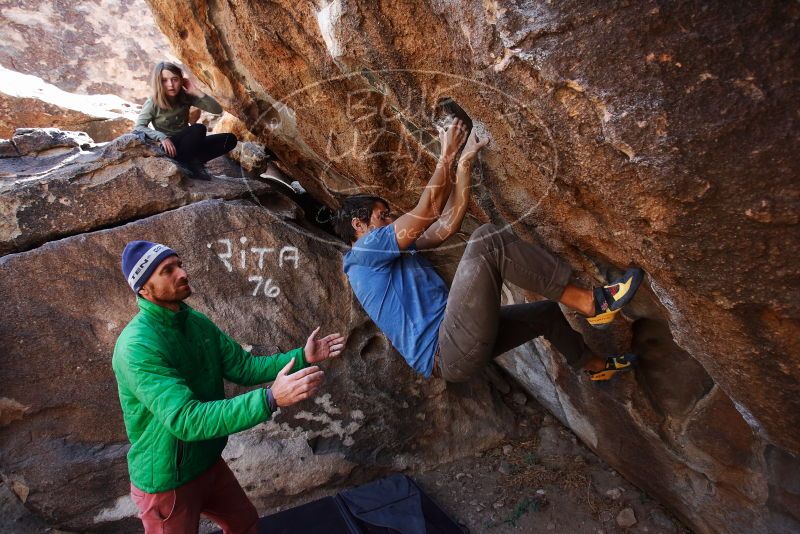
x=472 y=148
x=451 y=139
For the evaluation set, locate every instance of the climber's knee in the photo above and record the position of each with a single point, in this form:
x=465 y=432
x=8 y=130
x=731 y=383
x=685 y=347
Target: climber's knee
x=485 y=230
x=482 y=239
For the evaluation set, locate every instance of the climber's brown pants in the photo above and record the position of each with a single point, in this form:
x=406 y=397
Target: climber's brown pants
x=477 y=328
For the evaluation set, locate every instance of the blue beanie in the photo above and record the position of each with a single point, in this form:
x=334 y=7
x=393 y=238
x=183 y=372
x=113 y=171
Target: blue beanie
x=140 y=259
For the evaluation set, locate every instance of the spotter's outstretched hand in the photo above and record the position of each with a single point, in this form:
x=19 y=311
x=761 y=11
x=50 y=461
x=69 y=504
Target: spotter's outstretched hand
x=318 y=350
x=289 y=389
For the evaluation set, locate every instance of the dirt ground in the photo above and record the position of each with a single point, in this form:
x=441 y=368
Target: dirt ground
x=543 y=480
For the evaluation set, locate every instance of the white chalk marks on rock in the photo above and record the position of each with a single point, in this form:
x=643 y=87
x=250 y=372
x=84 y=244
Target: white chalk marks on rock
x=243 y=255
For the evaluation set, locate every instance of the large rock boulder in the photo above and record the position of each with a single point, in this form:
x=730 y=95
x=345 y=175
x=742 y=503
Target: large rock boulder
x=654 y=134
x=43 y=143
x=268 y=281
x=86 y=47
x=54 y=188
x=27 y=101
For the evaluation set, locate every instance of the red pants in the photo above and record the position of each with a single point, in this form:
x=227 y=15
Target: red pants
x=216 y=494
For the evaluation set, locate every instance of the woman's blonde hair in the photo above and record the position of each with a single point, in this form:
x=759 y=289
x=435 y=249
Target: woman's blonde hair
x=157 y=88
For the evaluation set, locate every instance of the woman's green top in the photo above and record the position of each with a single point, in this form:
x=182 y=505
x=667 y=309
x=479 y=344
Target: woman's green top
x=167 y=122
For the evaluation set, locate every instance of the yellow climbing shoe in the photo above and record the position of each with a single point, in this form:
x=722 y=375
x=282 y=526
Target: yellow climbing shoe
x=608 y=300
x=602 y=320
x=614 y=366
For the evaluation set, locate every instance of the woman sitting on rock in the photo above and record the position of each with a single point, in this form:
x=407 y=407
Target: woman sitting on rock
x=168 y=111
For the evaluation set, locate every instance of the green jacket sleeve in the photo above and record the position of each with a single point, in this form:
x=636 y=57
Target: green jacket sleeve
x=241 y=367
x=160 y=388
x=207 y=103
x=144 y=119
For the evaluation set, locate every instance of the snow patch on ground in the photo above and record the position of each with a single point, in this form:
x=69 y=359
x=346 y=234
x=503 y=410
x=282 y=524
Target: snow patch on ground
x=20 y=85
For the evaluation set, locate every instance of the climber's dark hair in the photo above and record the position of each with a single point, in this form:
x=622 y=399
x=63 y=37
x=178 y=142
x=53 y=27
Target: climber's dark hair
x=358 y=206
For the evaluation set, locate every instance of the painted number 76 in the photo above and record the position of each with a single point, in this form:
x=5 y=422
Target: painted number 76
x=270 y=290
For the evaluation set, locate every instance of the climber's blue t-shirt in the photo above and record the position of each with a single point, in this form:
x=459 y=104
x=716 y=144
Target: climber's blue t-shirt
x=401 y=292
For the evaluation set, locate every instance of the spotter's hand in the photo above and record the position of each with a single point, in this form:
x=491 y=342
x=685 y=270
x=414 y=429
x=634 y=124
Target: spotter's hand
x=292 y=388
x=319 y=350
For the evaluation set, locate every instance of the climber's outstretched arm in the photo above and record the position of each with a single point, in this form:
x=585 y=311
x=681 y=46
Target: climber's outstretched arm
x=410 y=226
x=455 y=209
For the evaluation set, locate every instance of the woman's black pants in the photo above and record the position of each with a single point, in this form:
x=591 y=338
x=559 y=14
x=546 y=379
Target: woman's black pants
x=194 y=146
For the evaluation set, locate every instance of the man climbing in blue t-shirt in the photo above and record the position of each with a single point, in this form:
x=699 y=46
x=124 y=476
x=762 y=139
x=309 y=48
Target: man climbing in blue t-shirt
x=454 y=333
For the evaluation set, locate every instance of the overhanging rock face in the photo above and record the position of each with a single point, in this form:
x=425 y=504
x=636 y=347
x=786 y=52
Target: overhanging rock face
x=268 y=282
x=660 y=135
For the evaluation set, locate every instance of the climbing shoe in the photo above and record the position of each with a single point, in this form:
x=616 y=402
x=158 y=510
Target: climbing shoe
x=614 y=366
x=608 y=300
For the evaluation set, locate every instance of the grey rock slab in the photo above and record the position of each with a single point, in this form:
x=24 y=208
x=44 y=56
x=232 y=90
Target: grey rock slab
x=251 y=156
x=46 y=198
x=37 y=140
x=662 y=520
x=7 y=149
x=620 y=416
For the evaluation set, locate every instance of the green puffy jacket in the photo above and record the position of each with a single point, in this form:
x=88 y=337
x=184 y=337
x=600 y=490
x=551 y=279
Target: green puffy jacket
x=170 y=368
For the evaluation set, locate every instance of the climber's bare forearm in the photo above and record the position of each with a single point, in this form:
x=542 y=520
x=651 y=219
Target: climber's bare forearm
x=409 y=227
x=454 y=211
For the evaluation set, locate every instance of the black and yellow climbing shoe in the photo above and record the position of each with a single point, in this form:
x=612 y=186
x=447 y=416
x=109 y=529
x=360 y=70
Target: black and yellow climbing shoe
x=614 y=366
x=608 y=300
